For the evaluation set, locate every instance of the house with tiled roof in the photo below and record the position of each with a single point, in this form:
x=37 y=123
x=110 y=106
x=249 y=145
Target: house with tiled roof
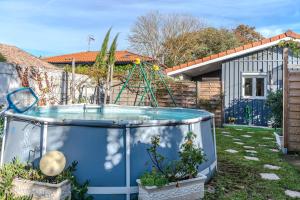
x=89 y=57
x=246 y=75
x=16 y=56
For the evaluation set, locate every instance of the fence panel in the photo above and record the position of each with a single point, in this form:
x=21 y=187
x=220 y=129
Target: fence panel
x=291 y=105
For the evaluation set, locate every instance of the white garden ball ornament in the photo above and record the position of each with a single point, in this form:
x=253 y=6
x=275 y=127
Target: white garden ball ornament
x=53 y=163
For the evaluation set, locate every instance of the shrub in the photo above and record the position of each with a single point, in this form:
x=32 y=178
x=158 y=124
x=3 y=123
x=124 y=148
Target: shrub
x=163 y=172
x=275 y=103
x=16 y=169
x=2 y=58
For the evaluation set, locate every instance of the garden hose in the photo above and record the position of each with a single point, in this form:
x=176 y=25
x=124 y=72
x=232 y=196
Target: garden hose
x=248 y=113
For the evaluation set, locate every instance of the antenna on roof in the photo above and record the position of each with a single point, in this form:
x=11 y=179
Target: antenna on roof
x=90 y=39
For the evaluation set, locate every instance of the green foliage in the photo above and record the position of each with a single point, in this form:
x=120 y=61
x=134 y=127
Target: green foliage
x=100 y=59
x=190 y=157
x=154 y=178
x=194 y=45
x=16 y=169
x=275 y=103
x=119 y=70
x=239 y=179
x=79 y=69
x=1 y=125
x=247 y=34
x=2 y=58
x=163 y=172
x=112 y=52
x=293 y=45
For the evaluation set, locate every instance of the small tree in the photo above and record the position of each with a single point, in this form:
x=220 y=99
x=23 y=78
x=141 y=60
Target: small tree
x=246 y=34
x=275 y=103
x=100 y=68
x=151 y=31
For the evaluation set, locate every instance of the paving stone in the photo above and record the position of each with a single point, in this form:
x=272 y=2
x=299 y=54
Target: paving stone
x=293 y=194
x=236 y=139
x=250 y=151
x=231 y=151
x=225 y=132
x=227 y=135
x=267 y=138
x=239 y=143
x=238 y=129
x=250 y=132
x=273 y=167
x=274 y=150
x=251 y=158
x=269 y=176
x=247 y=136
x=262 y=145
x=249 y=147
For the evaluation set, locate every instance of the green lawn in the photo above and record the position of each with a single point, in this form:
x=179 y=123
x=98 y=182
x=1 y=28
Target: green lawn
x=238 y=178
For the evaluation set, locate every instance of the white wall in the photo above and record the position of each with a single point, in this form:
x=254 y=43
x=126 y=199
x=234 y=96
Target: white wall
x=50 y=86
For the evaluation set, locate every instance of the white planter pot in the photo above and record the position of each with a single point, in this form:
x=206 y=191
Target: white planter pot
x=41 y=191
x=279 y=140
x=190 y=189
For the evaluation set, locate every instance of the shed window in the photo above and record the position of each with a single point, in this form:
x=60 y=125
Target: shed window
x=254 y=86
x=248 y=86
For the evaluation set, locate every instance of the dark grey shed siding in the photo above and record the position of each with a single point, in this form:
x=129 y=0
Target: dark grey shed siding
x=267 y=61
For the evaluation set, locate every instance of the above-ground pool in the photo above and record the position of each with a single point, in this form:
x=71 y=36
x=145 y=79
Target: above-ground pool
x=108 y=142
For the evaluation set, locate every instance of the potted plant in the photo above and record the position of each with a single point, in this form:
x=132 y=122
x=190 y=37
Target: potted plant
x=275 y=103
x=177 y=179
x=23 y=181
x=231 y=120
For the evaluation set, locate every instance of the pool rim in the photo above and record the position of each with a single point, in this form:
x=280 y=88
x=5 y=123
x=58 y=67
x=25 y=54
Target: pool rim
x=113 y=123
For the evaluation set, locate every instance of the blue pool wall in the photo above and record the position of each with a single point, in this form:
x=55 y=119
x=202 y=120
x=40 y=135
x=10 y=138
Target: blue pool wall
x=101 y=151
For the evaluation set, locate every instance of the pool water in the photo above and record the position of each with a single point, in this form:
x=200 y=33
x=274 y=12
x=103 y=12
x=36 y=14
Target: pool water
x=118 y=113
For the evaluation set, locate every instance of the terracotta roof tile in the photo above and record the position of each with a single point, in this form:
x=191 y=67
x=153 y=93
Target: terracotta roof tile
x=230 y=51
x=247 y=46
x=90 y=57
x=19 y=57
x=265 y=41
x=206 y=58
x=274 y=38
x=255 y=44
x=237 y=49
x=222 y=54
x=282 y=36
x=214 y=56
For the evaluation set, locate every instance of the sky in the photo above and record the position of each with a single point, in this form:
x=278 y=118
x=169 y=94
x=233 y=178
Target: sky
x=53 y=27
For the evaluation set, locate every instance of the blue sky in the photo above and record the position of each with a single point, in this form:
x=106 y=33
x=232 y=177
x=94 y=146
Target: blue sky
x=51 y=27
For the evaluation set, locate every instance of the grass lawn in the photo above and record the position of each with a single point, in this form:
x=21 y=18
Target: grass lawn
x=238 y=178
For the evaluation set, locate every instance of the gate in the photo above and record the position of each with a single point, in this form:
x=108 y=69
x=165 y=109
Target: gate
x=291 y=104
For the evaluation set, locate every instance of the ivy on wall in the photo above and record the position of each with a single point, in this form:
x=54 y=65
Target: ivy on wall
x=293 y=45
x=2 y=58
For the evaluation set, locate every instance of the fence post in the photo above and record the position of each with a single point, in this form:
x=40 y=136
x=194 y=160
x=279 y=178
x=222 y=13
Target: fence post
x=285 y=96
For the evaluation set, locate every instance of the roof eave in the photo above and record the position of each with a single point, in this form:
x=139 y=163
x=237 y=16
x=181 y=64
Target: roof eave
x=250 y=50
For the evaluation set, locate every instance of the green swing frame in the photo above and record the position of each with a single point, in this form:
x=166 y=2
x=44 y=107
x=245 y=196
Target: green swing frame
x=147 y=76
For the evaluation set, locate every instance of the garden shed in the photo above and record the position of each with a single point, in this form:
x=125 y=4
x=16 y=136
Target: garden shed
x=246 y=74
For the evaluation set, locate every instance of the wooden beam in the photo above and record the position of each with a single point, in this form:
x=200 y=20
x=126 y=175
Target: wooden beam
x=285 y=96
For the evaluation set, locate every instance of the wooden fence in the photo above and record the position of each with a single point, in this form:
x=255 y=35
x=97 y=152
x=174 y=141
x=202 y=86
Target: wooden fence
x=184 y=92
x=210 y=97
x=187 y=94
x=291 y=105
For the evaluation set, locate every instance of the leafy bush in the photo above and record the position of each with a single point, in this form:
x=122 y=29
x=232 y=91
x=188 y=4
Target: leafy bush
x=163 y=172
x=16 y=169
x=89 y=70
x=2 y=58
x=275 y=103
x=154 y=178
